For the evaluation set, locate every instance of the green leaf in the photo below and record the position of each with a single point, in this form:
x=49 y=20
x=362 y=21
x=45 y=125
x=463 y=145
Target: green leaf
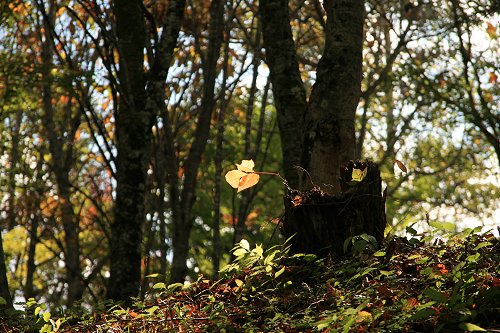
x=245 y=245
x=3 y=301
x=153 y=275
x=37 y=310
x=445 y=226
x=358 y=174
x=481 y=245
x=240 y=252
x=258 y=251
x=379 y=254
x=421 y=314
x=411 y=231
x=470 y=327
x=159 y=285
x=46 y=316
x=174 y=286
x=238 y=282
x=278 y=273
x=435 y=295
x=152 y=309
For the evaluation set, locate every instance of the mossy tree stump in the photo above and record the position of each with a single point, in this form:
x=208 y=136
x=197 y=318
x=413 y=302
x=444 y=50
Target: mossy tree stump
x=320 y=223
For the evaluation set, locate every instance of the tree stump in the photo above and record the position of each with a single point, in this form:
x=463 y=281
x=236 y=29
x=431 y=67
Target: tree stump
x=320 y=223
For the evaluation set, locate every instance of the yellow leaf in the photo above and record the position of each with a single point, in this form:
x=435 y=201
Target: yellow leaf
x=246 y=166
x=233 y=177
x=247 y=181
x=363 y=316
x=358 y=174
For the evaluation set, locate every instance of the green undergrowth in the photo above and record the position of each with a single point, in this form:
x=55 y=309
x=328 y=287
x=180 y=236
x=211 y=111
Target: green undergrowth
x=402 y=286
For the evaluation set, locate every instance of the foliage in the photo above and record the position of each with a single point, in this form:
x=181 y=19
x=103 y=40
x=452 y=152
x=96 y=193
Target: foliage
x=406 y=285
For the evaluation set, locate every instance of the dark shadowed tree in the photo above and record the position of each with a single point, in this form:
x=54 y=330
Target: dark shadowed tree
x=141 y=98
x=318 y=134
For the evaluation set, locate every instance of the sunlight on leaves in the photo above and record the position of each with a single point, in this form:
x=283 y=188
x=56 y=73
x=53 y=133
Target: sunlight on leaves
x=244 y=177
x=358 y=174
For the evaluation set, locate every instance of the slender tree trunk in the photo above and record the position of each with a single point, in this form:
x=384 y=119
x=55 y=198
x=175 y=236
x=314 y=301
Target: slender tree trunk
x=182 y=226
x=14 y=156
x=218 y=158
x=133 y=135
x=288 y=89
x=61 y=151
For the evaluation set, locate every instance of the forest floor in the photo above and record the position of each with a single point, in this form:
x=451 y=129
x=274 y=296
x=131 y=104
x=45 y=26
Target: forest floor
x=404 y=286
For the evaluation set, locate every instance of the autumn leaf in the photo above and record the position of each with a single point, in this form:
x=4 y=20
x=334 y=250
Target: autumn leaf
x=246 y=166
x=247 y=181
x=401 y=166
x=244 y=177
x=493 y=77
x=233 y=177
x=491 y=30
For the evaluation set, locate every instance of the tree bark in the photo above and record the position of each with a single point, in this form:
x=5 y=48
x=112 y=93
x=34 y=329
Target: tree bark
x=61 y=139
x=329 y=138
x=288 y=89
x=320 y=223
x=325 y=210
x=133 y=134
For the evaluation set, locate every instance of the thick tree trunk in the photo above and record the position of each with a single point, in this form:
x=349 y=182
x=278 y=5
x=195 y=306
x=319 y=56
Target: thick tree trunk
x=133 y=125
x=329 y=139
x=326 y=210
x=320 y=223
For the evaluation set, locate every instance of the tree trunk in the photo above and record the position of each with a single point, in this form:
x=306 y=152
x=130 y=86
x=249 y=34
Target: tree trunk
x=61 y=137
x=326 y=210
x=183 y=225
x=329 y=139
x=288 y=89
x=320 y=223
x=133 y=127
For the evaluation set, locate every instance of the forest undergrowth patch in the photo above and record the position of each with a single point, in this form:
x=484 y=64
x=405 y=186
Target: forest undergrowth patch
x=406 y=285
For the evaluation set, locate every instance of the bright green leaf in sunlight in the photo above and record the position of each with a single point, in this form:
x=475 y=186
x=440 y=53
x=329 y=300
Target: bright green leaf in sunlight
x=245 y=245
x=358 y=174
x=445 y=226
x=471 y=327
x=159 y=285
